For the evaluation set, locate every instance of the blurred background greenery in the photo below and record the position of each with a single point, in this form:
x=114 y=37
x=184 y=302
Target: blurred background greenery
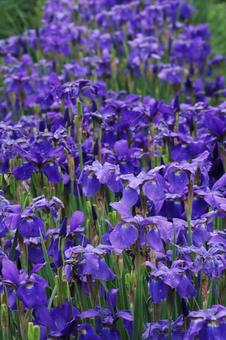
x=213 y=12
x=18 y=15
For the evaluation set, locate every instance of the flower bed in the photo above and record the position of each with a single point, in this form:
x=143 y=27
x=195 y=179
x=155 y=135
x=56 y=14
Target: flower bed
x=112 y=175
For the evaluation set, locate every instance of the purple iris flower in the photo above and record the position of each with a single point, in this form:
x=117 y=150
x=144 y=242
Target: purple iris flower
x=77 y=218
x=53 y=249
x=35 y=253
x=158 y=290
x=172 y=74
x=92 y=177
x=134 y=182
x=211 y=262
x=220 y=184
x=200 y=235
x=177 y=181
x=160 y=330
x=153 y=240
x=24 y=171
x=198 y=163
x=215 y=199
x=88 y=261
x=174 y=277
x=90 y=184
x=30 y=226
x=199 y=207
x=217 y=238
x=107 y=317
x=40 y=155
x=129 y=199
x=10 y=215
x=60 y=321
x=186 y=10
x=154 y=190
x=143 y=49
x=82 y=89
x=185 y=288
x=121 y=148
x=123 y=236
x=112 y=295
x=29 y=289
x=153 y=230
x=87 y=332
x=207 y=323
x=214 y=122
x=10 y=272
x=33 y=291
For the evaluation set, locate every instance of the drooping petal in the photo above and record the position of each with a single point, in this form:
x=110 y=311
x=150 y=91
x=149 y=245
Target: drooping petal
x=87 y=332
x=123 y=236
x=52 y=173
x=178 y=182
x=77 y=218
x=121 y=148
x=104 y=273
x=31 y=227
x=91 y=264
x=185 y=288
x=155 y=193
x=110 y=334
x=42 y=316
x=112 y=298
x=194 y=328
x=32 y=294
x=10 y=272
x=158 y=290
x=23 y=171
x=129 y=198
x=154 y=240
x=199 y=236
x=60 y=316
x=90 y=185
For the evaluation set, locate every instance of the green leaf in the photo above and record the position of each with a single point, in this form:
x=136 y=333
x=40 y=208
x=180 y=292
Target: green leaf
x=47 y=269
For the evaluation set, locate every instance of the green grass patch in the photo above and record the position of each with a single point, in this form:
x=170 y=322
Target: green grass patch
x=18 y=15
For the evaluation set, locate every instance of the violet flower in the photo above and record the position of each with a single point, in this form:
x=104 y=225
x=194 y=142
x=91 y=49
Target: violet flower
x=129 y=199
x=40 y=155
x=123 y=236
x=29 y=289
x=88 y=261
x=60 y=321
x=161 y=330
x=207 y=323
x=175 y=277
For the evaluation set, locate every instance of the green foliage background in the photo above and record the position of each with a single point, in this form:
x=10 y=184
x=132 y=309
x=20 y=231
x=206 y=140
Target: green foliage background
x=18 y=15
x=213 y=12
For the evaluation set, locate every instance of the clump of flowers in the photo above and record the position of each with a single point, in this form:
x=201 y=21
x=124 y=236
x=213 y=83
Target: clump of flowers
x=112 y=175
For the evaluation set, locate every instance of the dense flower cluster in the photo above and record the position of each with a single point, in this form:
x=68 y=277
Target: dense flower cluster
x=112 y=174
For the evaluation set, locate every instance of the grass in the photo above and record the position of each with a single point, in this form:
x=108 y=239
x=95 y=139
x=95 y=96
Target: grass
x=213 y=13
x=18 y=15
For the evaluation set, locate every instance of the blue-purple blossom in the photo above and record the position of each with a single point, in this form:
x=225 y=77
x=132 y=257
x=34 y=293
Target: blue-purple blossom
x=112 y=174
